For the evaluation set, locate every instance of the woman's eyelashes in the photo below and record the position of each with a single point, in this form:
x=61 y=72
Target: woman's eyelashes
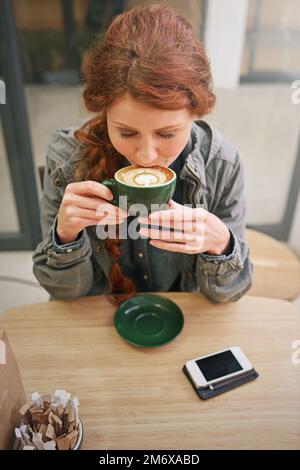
x=164 y=136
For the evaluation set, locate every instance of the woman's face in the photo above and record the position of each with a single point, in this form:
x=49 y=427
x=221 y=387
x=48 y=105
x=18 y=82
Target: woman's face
x=147 y=136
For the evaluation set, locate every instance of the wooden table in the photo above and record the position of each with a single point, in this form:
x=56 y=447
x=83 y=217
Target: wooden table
x=133 y=398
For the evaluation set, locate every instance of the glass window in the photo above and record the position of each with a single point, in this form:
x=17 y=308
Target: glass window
x=272 y=46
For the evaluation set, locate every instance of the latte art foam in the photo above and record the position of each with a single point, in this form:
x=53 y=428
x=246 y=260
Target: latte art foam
x=144 y=177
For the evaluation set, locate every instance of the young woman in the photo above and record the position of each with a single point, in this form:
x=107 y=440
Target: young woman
x=147 y=86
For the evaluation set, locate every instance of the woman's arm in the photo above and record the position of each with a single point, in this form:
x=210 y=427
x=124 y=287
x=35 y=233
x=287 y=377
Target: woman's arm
x=219 y=262
x=65 y=271
x=225 y=278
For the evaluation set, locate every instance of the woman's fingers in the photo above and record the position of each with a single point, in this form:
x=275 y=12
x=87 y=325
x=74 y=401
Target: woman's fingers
x=176 y=247
x=168 y=235
x=103 y=217
x=92 y=188
x=182 y=225
x=84 y=222
x=180 y=218
x=109 y=210
x=86 y=202
x=74 y=211
x=95 y=203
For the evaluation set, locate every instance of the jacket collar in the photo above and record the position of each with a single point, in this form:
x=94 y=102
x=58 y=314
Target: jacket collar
x=203 y=145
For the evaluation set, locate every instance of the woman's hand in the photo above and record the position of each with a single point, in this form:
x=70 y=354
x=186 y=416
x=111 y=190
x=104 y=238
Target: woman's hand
x=83 y=204
x=197 y=230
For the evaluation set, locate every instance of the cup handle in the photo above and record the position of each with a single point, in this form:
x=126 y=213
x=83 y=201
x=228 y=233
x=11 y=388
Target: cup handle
x=111 y=184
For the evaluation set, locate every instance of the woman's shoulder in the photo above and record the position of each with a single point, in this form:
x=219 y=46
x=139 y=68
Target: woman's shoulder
x=214 y=146
x=62 y=144
x=63 y=152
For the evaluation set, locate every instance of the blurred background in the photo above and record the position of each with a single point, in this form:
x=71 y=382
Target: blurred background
x=254 y=48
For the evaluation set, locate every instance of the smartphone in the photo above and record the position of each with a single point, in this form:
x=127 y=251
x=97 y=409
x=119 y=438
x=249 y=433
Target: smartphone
x=206 y=370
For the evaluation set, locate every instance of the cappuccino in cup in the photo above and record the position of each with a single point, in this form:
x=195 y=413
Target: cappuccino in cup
x=140 y=177
x=150 y=187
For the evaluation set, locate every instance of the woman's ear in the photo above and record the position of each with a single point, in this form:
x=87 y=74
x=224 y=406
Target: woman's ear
x=195 y=117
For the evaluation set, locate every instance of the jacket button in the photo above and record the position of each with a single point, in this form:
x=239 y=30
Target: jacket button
x=57 y=182
x=98 y=248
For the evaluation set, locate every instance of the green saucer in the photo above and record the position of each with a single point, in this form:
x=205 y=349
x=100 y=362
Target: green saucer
x=149 y=320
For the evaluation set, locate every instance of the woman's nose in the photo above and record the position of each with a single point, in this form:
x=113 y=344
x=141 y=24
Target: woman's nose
x=147 y=155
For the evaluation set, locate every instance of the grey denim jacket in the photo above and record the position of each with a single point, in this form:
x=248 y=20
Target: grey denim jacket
x=212 y=176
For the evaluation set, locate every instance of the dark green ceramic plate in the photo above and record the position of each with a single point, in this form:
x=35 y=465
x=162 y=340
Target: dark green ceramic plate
x=149 y=320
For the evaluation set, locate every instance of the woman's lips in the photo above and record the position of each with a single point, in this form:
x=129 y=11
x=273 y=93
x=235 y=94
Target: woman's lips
x=164 y=163
x=148 y=166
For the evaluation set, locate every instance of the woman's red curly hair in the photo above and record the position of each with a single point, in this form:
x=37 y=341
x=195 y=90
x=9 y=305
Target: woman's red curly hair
x=153 y=53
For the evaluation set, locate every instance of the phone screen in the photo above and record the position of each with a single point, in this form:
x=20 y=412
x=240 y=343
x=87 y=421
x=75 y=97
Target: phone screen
x=218 y=365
